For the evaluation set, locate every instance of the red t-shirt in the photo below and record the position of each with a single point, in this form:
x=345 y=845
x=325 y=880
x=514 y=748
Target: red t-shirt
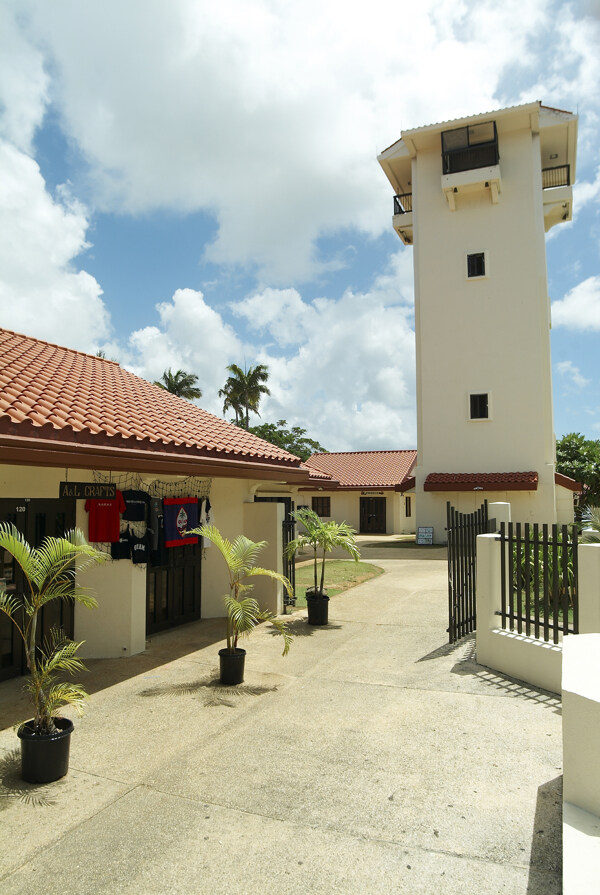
x=104 y=518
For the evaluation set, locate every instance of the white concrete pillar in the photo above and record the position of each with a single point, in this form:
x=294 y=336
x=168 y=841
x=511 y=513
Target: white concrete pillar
x=589 y=588
x=500 y=511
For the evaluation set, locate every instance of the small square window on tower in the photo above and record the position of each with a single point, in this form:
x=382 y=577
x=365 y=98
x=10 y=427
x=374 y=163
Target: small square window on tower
x=476 y=266
x=479 y=406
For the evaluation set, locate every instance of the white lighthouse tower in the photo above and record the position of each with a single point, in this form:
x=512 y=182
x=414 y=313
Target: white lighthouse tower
x=475 y=197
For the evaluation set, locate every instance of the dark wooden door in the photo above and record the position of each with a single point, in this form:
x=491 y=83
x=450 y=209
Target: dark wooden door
x=373 y=515
x=174 y=588
x=35 y=519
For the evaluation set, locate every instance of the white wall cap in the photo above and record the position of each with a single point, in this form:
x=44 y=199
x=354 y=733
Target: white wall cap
x=581 y=665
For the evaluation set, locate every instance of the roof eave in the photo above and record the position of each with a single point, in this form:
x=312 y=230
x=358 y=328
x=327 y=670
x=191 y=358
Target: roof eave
x=36 y=452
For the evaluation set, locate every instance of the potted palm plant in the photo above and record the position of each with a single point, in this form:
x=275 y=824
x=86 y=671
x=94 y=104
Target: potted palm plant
x=243 y=611
x=48 y=574
x=321 y=537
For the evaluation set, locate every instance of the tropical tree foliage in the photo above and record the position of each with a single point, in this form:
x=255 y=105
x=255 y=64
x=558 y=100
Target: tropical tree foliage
x=293 y=440
x=181 y=383
x=243 y=612
x=579 y=458
x=243 y=391
x=322 y=537
x=49 y=574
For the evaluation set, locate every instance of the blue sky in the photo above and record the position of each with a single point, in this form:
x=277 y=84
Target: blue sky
x=191 y=184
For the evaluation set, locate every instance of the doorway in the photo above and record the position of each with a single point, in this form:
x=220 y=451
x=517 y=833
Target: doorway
x=35 y=519
x=373 y=515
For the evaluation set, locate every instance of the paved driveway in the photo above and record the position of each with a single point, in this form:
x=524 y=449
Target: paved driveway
x=373 y=759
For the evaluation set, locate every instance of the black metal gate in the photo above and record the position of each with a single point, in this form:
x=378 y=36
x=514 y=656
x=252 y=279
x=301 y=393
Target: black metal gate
x=463 y=529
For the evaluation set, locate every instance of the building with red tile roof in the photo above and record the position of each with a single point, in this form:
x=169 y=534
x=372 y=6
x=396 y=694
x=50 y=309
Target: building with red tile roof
x=72 y=424
x=58 y=405
x=367 y=489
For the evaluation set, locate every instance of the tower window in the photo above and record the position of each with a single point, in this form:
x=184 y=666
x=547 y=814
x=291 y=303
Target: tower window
x=476 y=264
x=479 y=407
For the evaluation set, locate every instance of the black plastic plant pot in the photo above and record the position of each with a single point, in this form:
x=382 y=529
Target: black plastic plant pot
x=45 y=757
x=318 y=609
x=232 y=666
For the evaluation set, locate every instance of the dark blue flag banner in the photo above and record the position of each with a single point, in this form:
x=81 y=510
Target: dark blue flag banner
x=180 y=515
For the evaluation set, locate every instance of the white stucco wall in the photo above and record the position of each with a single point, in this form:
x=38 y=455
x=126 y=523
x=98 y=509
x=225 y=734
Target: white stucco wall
x=118 y=626
x=345 y=507
x=488 y=335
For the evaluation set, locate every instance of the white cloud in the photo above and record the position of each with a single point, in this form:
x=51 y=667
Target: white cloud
x=41 y=292
x=350 y=380
x=568 y=369
x=192 y=337
x=23 y=81
x=580 y=308
x=266 y=113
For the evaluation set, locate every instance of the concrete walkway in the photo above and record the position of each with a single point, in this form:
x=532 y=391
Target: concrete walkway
x=373 y=759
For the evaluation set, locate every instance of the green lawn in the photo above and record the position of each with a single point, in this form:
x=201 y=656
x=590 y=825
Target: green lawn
x=340 y=575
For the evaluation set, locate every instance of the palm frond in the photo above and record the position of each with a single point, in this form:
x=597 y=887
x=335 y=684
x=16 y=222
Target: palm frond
x=16 y=544
x=65 y=693
x=269 y=573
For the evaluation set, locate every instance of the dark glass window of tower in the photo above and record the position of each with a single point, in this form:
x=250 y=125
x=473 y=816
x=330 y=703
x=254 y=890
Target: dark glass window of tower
x=479 y=407
x=476 y=264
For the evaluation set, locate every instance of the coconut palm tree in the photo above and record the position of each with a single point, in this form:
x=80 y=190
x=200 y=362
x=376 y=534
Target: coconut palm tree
x=243 y=612
x=49 y=574
x=243 y=391
x=181 y=383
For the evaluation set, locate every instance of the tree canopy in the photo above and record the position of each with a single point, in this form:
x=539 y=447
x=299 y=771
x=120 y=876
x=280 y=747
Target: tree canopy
x=293 y=440
x=181 y=383
x=243 y=391
x=579 y=458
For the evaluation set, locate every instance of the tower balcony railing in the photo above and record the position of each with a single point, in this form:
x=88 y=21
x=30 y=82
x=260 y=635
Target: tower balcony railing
x=403 y=203
x=483 y=156
x=560 y=175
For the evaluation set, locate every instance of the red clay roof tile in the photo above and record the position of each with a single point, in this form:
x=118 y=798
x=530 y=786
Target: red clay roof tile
x=60 y=390
x=365 y=469
x=481 y=481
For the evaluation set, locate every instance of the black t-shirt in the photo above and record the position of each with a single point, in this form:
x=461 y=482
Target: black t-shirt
x=136 y=505
x=121 y=549
x=140 y=548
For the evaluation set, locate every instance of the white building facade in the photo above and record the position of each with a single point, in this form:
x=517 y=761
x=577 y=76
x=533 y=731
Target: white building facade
x=475 y=198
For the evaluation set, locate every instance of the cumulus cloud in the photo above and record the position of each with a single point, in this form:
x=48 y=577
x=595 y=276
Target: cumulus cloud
x=41 y=291
x=23 y=81
x=568 y=369
x=192 y=336
x=350 y=378
x=580 y=308
x=267 y=114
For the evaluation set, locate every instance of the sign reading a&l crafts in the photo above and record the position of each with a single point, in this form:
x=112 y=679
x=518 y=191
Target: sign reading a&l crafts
x=88 y=490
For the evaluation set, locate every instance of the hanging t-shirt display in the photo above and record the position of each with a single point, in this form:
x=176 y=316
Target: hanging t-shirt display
x=136 y=505
x=140 y=548
x=104 y=519
x=158 y=551
x=121 y=549
x=180 y=515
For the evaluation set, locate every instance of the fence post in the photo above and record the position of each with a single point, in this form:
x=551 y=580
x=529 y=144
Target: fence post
x=488 y=595
x=589 y=588
x=500 y=511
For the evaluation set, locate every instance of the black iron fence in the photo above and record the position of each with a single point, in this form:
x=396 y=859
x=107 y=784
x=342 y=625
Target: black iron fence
x=403 y=203
x=539 y=580
x=463 y=529
x=560 y=175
